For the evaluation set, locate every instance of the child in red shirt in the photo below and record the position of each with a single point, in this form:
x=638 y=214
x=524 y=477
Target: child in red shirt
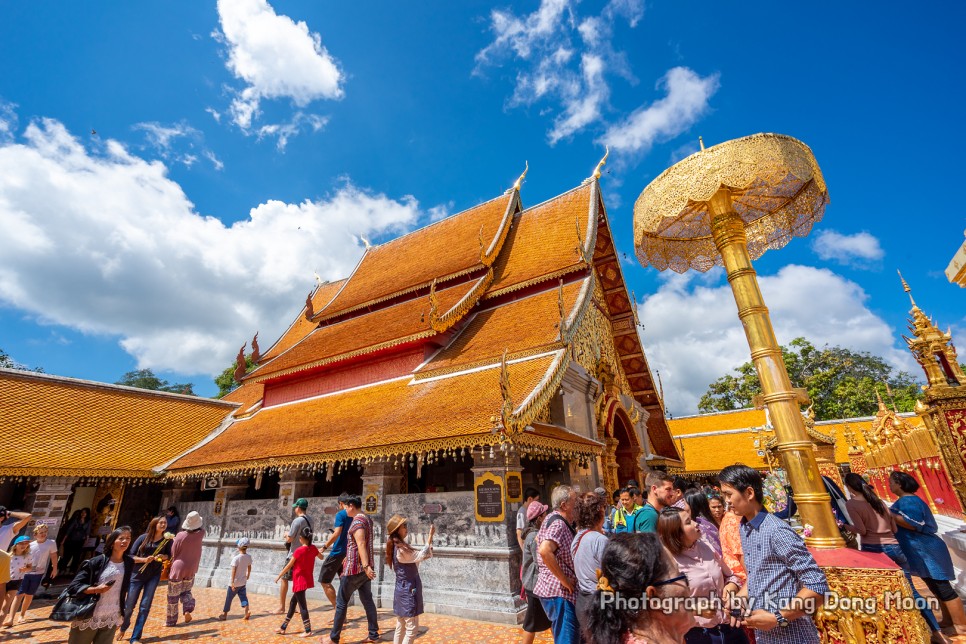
x=302 y=565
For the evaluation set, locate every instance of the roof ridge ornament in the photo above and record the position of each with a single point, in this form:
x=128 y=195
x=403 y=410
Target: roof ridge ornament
x=564 y=330
x=433 y=303
x=506 y=411
x=600 y=164
x=240 y=365
x=309 y=307
x=519 y=182
x=256 y=354
x=582 y=253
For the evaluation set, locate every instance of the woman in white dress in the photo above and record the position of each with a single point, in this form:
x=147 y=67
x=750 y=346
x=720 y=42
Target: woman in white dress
x=108 y=576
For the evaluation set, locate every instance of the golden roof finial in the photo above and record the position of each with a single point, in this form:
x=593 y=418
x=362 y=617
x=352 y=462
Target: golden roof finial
x=878 y=398
x=366 y=242
x=519 y=182
x=318 y=279
x=506 y=412
x=600 y=164
x=562 y=311
x=905 y=287
x=701 y=142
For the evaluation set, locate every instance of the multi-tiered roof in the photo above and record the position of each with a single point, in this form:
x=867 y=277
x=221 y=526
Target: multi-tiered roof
x=452 y=336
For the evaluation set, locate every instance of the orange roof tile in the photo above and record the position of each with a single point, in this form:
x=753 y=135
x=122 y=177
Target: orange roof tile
x=246 y=396
x=543 y=241
x=452 y=246
x=384 y=419
x=527 y=324
x=301 y=327
x=378 y=329
x=54 y=426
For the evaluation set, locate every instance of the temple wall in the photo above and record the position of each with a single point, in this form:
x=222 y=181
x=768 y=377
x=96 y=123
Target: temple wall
x=474 y=573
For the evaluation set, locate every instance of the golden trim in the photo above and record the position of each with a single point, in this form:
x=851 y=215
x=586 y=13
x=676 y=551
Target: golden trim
x=573 y=268
x=442 y=323
x=486 y=362
x=39 y=472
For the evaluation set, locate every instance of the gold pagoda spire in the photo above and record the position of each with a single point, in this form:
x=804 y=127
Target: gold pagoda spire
x=905 y=287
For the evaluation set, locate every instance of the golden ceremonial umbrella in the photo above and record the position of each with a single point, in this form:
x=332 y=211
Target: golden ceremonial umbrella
x=727 y=205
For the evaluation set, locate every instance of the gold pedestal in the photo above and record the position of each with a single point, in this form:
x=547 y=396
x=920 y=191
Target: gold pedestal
x=869 y=602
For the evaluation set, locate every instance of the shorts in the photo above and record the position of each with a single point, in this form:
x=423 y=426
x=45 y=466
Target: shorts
x=29 y=584
x=13 y=584
x=535 y=620
x=331 y=567
x=288 y=576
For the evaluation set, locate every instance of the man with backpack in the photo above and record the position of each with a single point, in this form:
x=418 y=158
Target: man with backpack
x=556 y=580
x=301 y=520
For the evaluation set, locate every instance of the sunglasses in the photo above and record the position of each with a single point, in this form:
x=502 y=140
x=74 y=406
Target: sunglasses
x=667 y=582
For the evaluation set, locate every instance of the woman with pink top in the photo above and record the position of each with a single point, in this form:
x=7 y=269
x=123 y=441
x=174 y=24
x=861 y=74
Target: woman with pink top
x=708 y=577
x=872 y=521
x=185 y=560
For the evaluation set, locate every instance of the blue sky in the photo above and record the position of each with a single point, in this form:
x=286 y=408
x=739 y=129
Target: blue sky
x=242 y=146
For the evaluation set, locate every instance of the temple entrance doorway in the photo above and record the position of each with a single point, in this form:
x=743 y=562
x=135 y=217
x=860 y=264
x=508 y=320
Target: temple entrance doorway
x=627 y=451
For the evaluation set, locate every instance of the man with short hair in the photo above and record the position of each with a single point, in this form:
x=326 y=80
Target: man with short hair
x=9 y=529
x=332 y=564
x=627 y=508
x=785 y=585
x=529 y=496
x=612 y=513
x=357 y=573
x=660 y=493
x=556 y=579
x=300 y=521
x=680 y=485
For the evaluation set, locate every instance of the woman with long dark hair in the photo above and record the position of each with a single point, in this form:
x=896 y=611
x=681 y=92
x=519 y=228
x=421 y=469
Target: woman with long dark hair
x=404 y=560
x=872 y=521
x=927 y=554
x=107 y=575
x=637 y=573
x=708 y=576
x=151 y=549
x=586 y=548
x=75 y=535
x=697 y=505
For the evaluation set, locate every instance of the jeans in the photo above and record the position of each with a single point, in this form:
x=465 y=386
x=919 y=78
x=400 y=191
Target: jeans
x=347 y=586
x=563 y=617
x=145 y=588
x=241 y=592
x=894 y=552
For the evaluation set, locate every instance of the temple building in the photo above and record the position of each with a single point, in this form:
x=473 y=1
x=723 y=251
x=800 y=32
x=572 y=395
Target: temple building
x=69 y=444
x=457 y=365
x=956 y=271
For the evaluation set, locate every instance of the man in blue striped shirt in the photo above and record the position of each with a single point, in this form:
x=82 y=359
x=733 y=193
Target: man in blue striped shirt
x=785 y=586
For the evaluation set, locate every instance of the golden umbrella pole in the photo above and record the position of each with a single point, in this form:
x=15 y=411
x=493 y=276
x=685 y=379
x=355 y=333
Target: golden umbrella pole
x=726 y=205
x=798 y=456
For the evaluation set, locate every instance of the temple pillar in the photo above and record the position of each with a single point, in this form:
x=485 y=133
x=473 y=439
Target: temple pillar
x=294 y=484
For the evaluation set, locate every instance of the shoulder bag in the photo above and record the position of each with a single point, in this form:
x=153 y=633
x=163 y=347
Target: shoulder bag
x=69 y=608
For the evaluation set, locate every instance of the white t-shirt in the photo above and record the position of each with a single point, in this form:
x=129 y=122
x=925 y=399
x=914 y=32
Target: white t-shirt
x=41 y=555
x=241 y=562
x=6 y=536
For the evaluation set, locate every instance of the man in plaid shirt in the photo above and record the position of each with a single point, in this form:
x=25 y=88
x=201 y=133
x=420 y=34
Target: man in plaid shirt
x=785 y=586
x=357 y=573
x=556 y=581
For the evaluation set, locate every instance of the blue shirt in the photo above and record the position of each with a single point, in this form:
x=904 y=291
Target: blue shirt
x=342 y=520
x=778 y=566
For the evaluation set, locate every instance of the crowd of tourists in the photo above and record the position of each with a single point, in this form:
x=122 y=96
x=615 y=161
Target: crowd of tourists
x=674 y=562
x=670 y=562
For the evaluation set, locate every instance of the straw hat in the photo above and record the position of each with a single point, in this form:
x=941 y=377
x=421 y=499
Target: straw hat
x=394 y=523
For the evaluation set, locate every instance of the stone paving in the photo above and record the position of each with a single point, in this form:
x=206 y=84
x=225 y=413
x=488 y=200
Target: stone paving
x=261 y=627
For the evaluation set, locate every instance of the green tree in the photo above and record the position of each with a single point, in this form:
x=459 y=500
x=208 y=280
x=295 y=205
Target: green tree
x=145 y=379
x=840 y=382
x=9 y=363
x=226 y=380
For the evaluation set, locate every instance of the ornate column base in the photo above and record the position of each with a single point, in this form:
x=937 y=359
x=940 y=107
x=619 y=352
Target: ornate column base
x=869 y=602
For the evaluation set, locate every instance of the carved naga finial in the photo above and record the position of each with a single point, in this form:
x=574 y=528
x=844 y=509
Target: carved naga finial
x=586 y=255
x=562 y=311
x=240 y=365
x=433 y=302
x=506 y=412
x=600 y=164
x=519 y=182
x=255 y=352
x=309 y=307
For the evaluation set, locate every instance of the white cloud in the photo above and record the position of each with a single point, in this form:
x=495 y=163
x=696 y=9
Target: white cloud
x=693 y=336
x=686 y=101
x=284 y=131
x=177 y=143
x=8 y=120
x=109 y=244
x=859 y=250
x=563 y=57
x=277 y=58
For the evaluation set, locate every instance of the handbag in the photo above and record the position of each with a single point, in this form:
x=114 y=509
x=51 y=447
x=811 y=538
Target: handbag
x=72 y=607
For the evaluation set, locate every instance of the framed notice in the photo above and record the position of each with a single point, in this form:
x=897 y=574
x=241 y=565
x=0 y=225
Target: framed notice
x=488 y=497
x=370 y=498
x=514 y=487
